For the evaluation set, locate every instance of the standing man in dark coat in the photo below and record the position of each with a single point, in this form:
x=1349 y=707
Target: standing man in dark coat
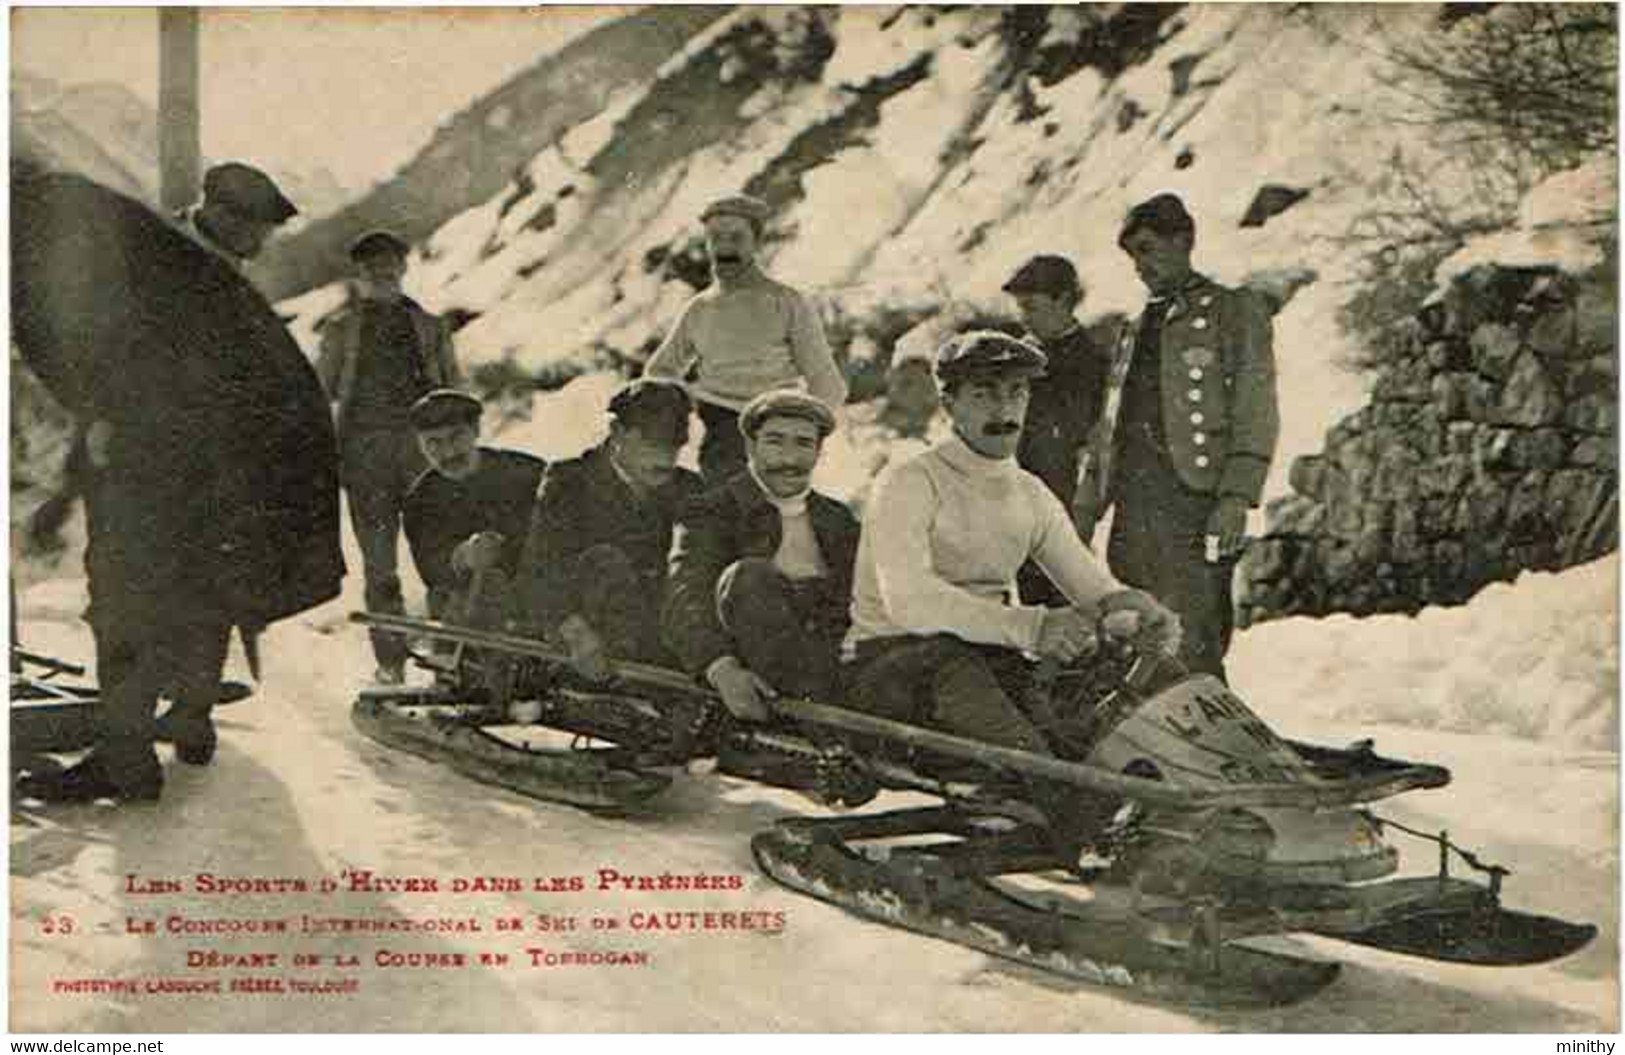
x=212 y=496
x=761 y=567
x=1065 y=403
x=1189 y=433
x=595 y=567
x=380 y=354
x=467 y=515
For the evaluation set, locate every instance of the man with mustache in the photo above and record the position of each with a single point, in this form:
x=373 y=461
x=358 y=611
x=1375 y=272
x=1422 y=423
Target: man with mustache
x=761 y=567
x=1189 y=433
x=467 y=514
x=937 y=636
x=595 y=566
x=744 y=335
x=380 y=354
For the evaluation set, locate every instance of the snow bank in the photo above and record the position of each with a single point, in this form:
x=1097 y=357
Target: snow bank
x=1560 y=223
x=1537 y=659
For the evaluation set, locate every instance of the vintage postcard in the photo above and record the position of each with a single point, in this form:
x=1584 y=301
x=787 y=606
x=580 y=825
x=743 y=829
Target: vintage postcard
x=814 y=519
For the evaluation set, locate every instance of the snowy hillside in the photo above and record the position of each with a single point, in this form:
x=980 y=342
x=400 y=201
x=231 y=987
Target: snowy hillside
x=108 y=133
x=914 y=157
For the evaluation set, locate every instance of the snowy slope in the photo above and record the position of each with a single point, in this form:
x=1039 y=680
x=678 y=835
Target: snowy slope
x=914 y=157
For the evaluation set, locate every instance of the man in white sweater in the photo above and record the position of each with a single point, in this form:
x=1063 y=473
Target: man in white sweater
x=744 y=335
x=937 y=637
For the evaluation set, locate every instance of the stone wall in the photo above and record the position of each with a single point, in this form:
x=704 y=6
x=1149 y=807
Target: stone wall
x=1488 y=447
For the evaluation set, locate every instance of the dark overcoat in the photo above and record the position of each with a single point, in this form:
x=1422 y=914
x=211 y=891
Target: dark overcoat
x=220 y=499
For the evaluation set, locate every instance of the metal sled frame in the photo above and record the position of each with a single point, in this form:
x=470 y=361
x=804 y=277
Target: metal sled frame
x=953 y=871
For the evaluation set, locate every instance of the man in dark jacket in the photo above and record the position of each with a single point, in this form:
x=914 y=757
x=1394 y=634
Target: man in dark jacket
x=212 y=492
x=1066 y=401
x=1190 y=429
x=595 y=566
x=761 y=567
x=380 y=354
x=467 y=515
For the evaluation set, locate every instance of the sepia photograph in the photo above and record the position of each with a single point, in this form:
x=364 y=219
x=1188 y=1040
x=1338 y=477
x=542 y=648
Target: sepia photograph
x=814 y=519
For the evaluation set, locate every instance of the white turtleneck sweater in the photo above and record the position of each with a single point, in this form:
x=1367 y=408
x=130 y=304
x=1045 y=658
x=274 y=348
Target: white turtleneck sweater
x=798 y=556
x=943 y=538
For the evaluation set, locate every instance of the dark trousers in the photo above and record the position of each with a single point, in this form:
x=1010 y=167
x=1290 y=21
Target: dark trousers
x=722 y=451
x=971 y=691
x=135 y=665
x=378 y=467
x=620 y=602
x=1158 y=544
x=787 y=631
x=946 y=682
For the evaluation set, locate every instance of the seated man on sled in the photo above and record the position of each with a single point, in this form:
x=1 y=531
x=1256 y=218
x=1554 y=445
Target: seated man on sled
x=936 y=637
x=595 y=565
x=467 y=514
x=761 y=566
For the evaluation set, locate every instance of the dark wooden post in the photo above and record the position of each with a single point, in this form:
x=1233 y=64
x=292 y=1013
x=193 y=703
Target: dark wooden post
x=179 y=138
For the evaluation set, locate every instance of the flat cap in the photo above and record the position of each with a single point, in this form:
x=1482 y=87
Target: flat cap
x=987 y=352
x=379 y=243
x=786 y=403
x=651 y=405
x=247 y=191
x=1165 y=214
x=753 y=209
x=445 y=406
x=1044 y=273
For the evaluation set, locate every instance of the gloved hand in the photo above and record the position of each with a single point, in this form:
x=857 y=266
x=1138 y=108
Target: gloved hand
x=1139 y=618
x=1065 y=634
x=587 y=655
x=743 y=691
x=478 y=553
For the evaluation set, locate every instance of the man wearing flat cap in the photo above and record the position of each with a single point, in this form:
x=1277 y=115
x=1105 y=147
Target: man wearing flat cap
x=744 y=335
x=241 y=206
x=1065 y=405
x=1189 y=433
x=466 y=516
x=595 y=566
x=938 y=637
x=207 y=458
x=761 y=566
x=380 y=354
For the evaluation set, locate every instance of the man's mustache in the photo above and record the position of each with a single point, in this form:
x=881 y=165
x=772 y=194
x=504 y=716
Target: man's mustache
x=1001 y=428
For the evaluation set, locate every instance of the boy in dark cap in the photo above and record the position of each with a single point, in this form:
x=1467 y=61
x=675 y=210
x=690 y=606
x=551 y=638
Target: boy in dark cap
x=380 y=354
x=1189 y=432
x=241 y=206
x=467 y=515
x=745 y=335
x=761 y=567
x=937 y=637
x=1065 y=403
x=595 y=565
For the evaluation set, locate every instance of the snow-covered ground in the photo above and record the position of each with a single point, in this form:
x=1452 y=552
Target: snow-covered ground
x=1516 y=693
x=296 y=792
